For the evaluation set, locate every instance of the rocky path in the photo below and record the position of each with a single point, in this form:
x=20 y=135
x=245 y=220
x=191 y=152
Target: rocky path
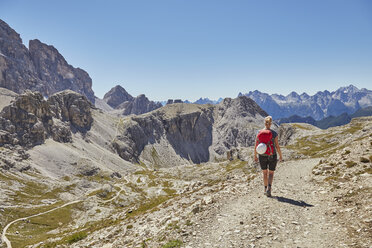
x=292 y=217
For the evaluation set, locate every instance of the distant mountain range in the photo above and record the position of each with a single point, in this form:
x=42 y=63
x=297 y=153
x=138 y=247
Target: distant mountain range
x=323 y=104
x=40 y=67
x=199 y=101
x=330 y=121
x=208 y=101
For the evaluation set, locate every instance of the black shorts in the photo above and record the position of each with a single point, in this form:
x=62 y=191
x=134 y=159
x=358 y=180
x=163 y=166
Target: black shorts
x=268 y=161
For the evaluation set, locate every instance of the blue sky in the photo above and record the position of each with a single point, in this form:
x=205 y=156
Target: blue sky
x=189 y=49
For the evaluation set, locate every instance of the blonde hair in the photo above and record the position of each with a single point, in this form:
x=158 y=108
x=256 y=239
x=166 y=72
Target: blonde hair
x=269 y=119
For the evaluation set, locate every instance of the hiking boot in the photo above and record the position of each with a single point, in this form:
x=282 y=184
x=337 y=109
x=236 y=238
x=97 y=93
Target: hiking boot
x=268 y=192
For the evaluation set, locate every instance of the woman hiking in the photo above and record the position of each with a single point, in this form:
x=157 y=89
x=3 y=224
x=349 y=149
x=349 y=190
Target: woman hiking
x=268 y=159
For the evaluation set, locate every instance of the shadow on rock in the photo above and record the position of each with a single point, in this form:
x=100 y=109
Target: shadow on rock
x=293 y=202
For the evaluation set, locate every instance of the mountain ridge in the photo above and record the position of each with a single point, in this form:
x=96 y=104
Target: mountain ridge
x=125 y=104
x=320 y=105
x=38 y=68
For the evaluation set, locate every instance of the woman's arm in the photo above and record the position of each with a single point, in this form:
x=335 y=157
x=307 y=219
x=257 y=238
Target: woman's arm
x=255 y=152
x=278 y=149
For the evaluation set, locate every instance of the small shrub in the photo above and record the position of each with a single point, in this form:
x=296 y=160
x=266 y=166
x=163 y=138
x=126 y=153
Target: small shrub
x=350 y=164
x=331 y=178
x=76 y=237
x=346 y=152
x=66 y=178
x=129 y=226
x=173 y=244
x=364 y=160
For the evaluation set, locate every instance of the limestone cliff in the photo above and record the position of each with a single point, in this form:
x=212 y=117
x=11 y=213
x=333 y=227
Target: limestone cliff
x=40 y=68
x=30 y=119
x=183 y=133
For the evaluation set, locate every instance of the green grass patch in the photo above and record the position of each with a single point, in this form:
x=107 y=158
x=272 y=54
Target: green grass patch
x=350 y=164
x=66 y=178
x=235 y=165
x=76 y=237
x=136 y=189
x=364 y=191
x=167 y=184
x=35 y=230
x=155 y=158
x=353 y=128
x=31 y=192
x=314 y=146
x=150 y=174
x=367 y=170
x=346 y=152
x=301 y=127
x=173 y=244
x=152 y=183
x=188 y=223
x=102 y=194
x=331 y=178
x=170 y=191
x=173 y=226
x=149 y=205
x=99 y=178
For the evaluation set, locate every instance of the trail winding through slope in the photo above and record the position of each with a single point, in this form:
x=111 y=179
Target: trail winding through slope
x=5 y=239
x=8 y=243
x=292 y=217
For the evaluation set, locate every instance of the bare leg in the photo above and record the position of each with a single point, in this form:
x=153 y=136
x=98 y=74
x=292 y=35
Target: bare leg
x=271 y=177
x=265 y=172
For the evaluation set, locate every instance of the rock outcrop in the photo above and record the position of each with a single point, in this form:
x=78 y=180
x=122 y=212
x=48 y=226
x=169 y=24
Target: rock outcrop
x=30 y=119
x=183 y=133
x=72 y=107
x=40 y=68
x=6 y=96
x=119 y=98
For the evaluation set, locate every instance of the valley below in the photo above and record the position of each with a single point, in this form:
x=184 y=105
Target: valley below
x=84 y=194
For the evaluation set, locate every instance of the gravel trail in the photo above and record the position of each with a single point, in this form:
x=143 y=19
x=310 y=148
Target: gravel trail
x=292 y=217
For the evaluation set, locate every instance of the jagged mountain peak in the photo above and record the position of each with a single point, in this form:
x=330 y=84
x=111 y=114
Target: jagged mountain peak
x=320 y=105
x=293 y=94
x=40 y=68
x=118 y=98
x=348 y=89
x=207 y=101
x=9 y=33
